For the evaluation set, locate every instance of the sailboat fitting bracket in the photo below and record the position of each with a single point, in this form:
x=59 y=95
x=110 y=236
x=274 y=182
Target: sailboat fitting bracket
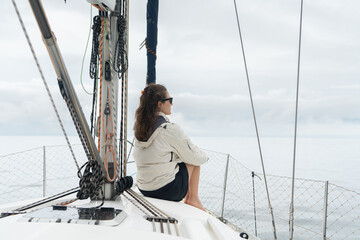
x=107 y=71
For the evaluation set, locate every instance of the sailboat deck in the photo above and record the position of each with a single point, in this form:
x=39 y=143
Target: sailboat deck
x=192 y=223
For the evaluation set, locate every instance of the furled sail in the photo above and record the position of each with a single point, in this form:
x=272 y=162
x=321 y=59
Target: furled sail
x=151 y=39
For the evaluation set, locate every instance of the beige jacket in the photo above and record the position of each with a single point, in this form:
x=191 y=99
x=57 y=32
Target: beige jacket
x=157 y=158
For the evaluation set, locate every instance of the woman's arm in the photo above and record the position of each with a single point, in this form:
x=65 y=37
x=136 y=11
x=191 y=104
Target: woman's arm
x=186 y=150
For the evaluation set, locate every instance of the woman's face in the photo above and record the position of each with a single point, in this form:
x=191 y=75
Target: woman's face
x=165 y=106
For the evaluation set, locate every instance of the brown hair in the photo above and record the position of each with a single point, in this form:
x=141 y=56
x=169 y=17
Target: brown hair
x=146 y=113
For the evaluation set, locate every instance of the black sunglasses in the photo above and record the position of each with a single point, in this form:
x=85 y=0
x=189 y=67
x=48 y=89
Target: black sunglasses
x=170 y=100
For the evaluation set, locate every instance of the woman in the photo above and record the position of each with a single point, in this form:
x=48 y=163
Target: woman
x=168 y=164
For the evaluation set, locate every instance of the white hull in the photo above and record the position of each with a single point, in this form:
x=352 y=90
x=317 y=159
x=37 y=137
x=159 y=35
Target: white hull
x=192 y=223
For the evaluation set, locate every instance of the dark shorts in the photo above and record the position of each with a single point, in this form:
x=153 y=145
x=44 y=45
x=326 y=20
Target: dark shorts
x=174 y=191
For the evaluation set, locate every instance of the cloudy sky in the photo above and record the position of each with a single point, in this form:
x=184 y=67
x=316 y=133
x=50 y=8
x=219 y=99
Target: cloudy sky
x=200 y=62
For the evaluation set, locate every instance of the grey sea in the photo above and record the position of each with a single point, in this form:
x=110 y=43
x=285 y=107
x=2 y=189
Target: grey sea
x=321 y=163
x=334 y=159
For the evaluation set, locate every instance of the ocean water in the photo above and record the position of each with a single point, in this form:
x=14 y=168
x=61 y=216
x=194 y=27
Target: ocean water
x=323 y=159
x=336 y=160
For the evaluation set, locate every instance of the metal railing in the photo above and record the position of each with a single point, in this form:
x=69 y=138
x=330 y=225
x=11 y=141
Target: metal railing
x=236 y=194
x=229 y=189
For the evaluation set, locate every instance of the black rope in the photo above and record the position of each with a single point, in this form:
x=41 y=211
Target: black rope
x=91 y=181
x=92 y=119
x=95 y=47
x=22 y=209
x=120 y=55
x=93 y=71
x=120 y=66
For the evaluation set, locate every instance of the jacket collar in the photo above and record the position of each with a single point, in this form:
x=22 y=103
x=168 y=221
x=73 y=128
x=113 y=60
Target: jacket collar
x=164 y=115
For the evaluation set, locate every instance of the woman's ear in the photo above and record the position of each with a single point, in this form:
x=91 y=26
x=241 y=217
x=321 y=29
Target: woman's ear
x=159 y=104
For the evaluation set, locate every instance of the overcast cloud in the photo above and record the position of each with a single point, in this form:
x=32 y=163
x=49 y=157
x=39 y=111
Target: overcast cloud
x=200 y=62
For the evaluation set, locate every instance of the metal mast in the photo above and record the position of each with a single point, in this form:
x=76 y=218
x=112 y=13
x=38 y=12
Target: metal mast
x=104 y=159
x=108 y=102
x=112 y=56
x=113 y=68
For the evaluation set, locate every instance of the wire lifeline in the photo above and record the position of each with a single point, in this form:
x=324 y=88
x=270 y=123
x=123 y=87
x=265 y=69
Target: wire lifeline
x=253 y=186
x=256 y=128
x=45 y=83
x=291 y=217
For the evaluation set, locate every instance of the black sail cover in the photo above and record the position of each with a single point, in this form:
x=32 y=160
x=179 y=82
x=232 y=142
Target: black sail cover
x=151 y=39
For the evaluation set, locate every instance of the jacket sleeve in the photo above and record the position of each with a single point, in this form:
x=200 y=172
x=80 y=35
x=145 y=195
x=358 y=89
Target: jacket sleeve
x=184 y=148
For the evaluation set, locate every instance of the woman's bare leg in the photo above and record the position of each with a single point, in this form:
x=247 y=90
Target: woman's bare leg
x=192 y=196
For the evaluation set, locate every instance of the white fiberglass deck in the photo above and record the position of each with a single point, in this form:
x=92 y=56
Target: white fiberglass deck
x=132 y=224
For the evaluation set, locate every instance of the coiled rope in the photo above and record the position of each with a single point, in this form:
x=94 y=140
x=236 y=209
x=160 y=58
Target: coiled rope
x=91 y=182
x=95 y=47
x=120 y=55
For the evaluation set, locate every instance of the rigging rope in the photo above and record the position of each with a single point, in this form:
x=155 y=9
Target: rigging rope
x=48 y=199
x=101 y=77
x=95 y=180
x=120 y=55
x=95 y=47
x=125 y=159
x=91 y=182
x=94 y=105
x=45 y=83
x=256 y=128
x=291 y=217
x=93 y=70
x=121 y=67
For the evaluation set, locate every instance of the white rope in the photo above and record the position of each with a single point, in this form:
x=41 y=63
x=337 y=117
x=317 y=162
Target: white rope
x=291 y=217
x=45 y=83
x=256 y=128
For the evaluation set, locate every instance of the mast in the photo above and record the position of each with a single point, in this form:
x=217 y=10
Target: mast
x=104 y=159
x=113 y=68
